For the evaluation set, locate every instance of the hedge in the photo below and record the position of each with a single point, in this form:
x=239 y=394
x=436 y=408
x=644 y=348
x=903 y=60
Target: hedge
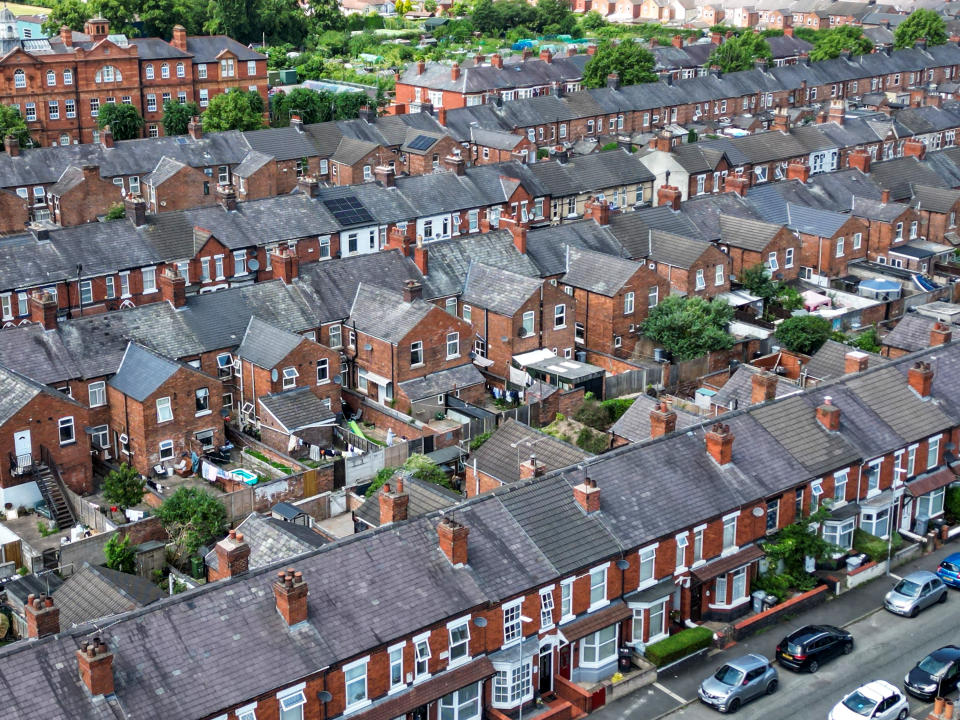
x=686 y=642
x=876 y=548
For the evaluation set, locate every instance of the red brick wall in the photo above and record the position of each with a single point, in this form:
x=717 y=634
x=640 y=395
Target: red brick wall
x=84 y=202
x=13 y=212
x=188 y=188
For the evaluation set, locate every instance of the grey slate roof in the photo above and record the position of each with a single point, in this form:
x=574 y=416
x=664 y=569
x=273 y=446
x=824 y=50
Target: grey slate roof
x=497 y=290
x=812 y=221
x=207 y=48
x=899 y=175
x=675 y=250
x=634 y=424
x=285 y=143
x=934 y=199
x=747 y=234
x=444 y=381
x=547 y=247
x=270 y=541
x=633 y=229
x=141 y=372
x=829 y=361
x=736 y=392
x=265 y=345
x=385 y=315
x=15 y=391
x=912 y=333
x=450 y=260
x=425 y=497
x=598 y=272
x=296 y=409
x=95 y=592
x=498 y=459
x=36 y=353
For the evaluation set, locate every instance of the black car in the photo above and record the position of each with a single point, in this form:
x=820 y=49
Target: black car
x=937 y=674
x=811 y=646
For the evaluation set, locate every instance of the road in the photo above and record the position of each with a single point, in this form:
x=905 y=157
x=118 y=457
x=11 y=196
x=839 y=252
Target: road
x=887 y=646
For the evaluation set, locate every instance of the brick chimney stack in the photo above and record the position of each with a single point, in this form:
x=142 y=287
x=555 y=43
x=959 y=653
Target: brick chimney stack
x=662 y=141
x=43 y=309
x=532 y=468
x=587 y=495
x=421 y=257
x=599 y=210
x=66 y=36
x=669 y=195
x=519 y=238
x=798 y=170
x=613 y=81
x=452 y=537
x=233 y=556
x=720 y=443
x=43 y=617
x=497 y=61
x=393 y=503
x=195 y=127
x=736 y=183
x=286 y=265
x=95 y=662
x=11 y=145
x=781 y=120
x=663 y=420
x=135 y=208
x=455 y=72
x=412 y=290
x=915 y=148
x=829 y=415
x=384 y=175
x=309 y=185
x=106 y=137
x=290 y=591
x=763 y=388
x=546 y=55
x=855 y=361
x=920 y=377
x=677 y=41
x=227 y=197
x=173 y=287
x=838 y=111
x=421 y=66
x=179 y=39
x=940 y=334
x=860 y=159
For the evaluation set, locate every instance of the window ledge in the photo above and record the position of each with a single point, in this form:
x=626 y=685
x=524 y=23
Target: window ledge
x=397 y=689
x=68 y=444
x=417 y=365
x=202 y=413
x=730 y=551
x=358 y=706
x=453 y=357
x=323 y=382
x=731 y=606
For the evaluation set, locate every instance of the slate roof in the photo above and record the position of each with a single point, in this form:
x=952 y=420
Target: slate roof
x=252 y=162
x=633 y=230
x=285 y=143
x=498 y=459
x=486 y=77
x=934 y=199
x=829 y=361
x=36 y=353
x=912 y=333
x=15 y=391
x=207 y=48
x=450 y=260
x=296 y=409
x=95 y=592
x=71 y=177
x=747 y=234
x=424 y=498
x=737 y=391
x=634 y=424
x=547 y=247
x=497 y=290
x=142 y=372
x=265 y=345
x=598 y=272
x=444 y=381
x=166 y=169
x=876 y=210
x=812 y=221
x=384 y=315
x=270 y=541
x=675 y=250
x=899 y=175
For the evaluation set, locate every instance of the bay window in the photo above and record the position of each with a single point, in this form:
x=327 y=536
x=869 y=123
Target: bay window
x=876 y=521
x=599 y=648
x=512 y=684
x=462 y=704
x=839 y=532
x=931 y=504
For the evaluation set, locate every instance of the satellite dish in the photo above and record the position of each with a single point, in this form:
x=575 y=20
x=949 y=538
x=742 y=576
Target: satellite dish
x=480 y=622
x=338 y=379
x=324 y=697
x=623 y=564
x=254 y=265
x=274 y=375
x=758 y=512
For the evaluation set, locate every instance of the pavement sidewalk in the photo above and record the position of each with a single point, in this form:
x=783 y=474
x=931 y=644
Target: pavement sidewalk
x=677 y=685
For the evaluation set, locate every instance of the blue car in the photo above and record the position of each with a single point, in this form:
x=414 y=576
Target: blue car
x=949 y=570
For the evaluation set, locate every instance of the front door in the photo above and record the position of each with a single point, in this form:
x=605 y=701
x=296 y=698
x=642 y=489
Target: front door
x=420 y=713
x=22 y=448
x=546 y=670
x=565 y=663
x=695 y=601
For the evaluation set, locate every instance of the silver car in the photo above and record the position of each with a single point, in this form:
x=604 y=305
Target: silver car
x=916 y=591
x=737 y=682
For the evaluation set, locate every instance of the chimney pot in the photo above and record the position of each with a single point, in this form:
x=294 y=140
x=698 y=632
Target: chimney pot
x=829 y=415
x=452 y=538
x=763 y=388
x=393 y=504
x=940 y=334
x=920 y=378
x=95 y=663
x=233 y=557
x=587 y=495
x=720 y=443
x=663 y=420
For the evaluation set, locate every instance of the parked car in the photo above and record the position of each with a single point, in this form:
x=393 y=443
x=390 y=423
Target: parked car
x=949 y=570
x=878 y=700
x=739 y=681
x=811 y=646
x=937 y=674
x=916 y=591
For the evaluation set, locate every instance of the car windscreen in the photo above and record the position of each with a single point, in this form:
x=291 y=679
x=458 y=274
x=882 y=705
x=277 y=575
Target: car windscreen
x=908 y=588
x=860 y=704
x=728 y=675
x=952 y=567
x=932 y=666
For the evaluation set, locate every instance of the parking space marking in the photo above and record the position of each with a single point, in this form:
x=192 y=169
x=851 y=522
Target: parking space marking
x=669 y=692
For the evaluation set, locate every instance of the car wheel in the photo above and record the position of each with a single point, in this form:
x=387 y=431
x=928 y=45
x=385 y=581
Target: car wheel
x=848 y=648
x=813 y=666
x=914 y=611
x=771 y=687
x=903 y=714
x=734 y=706
x=943 y=597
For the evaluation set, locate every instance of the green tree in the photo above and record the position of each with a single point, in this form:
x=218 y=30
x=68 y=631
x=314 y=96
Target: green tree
x=124 y=120
x=12 y=124
x=281 y=21
x=593 y=21
x=234 y=110
x=430 y=5
x=804 y=333
x=72 y=13
x=834 y=41
x=123 y=487
x=116 y=212
x=192 y=518
x=798 y=541
x=233 y=18
x=633 y=63
x=119 y=555
x=758 y=281
x=423 y=468
x=485 y=17
x=326 y=15
x=120 y=13
x=922 y=23
x=808 y=34
x=159 y=17
x=554 y=17
x=176 y=117
x=689 y=327
x=740 y=52
x=310 y=105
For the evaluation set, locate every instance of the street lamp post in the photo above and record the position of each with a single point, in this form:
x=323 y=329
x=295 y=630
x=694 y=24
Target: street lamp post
x=523 y=619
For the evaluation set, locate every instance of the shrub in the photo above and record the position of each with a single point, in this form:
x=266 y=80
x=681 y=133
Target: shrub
x=952 y=503
x=479 y=440
x=686 y=642
x=873 y=546
x=592 y=442
x=616 y=407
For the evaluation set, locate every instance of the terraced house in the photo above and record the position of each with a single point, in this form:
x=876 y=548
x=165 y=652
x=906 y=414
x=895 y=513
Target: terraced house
x=521 y=591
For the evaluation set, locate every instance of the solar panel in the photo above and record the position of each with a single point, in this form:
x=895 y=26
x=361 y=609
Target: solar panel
x=421 y=142
x=181 y=140
x=348 y=210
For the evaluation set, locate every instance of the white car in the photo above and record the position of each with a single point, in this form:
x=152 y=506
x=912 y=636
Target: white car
x=878 y=700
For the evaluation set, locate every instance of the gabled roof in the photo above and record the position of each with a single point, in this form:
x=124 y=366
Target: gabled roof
x=385 y=315
x=598 y=272
x=284 y=143
x=450 y=260
x=36 y=353
x=813 y=221
x=424 y=497
x=634 y=424
x=17 y=390
x=297 y=409
x=675 y=250
x=265 y=345
x=271 y=540
x=166 y=168
x=498 y=290
x=912 y=333
x=899 y=175
x=95 y=592
x=829 y=361
x=934 y=199
x=142 y=372
x=547 y=247
x=71 y=177
x=497 y=457
x=877 y=210
x=747 y=234
x=442 y=382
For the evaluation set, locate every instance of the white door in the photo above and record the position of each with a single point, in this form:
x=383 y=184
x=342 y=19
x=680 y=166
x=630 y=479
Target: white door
x=22 y=448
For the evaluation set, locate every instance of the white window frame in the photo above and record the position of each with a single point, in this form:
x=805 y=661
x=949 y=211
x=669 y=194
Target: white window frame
x=629 y=303
x=933 y=451
x=421 y=657
x=598 y=587
x=840 y=479
x=63 y=424
x=566 y=600
x=164 y=410
x=99 y=390
x=698 y=537
x=788 y=258
x=461 y=643
x=512 y=684
x=681 y=546
x=718 y=276
x=290 y=375
x=559 y=316
x=931 y=504
x=593 y=642
x=165 y=450
x=354 y=705
x=546 y=607
x=292 y=699
x=729 y=549
x=512 y=624
x=873 y=485
x=453 y=339
x=395 y=655
x=701 y=282
x=835 y=532
x=648 y=555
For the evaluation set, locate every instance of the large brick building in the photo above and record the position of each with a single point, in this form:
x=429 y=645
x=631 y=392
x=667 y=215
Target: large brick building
x=60 y=83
